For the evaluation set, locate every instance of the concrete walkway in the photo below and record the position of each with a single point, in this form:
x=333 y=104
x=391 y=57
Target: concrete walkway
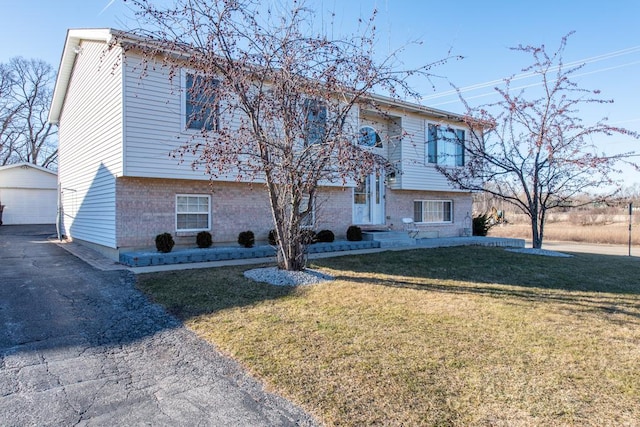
x=80 y=346
x=592 y=248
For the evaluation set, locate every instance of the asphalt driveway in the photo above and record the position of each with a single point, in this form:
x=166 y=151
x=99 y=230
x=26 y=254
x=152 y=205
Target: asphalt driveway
x=79 y=346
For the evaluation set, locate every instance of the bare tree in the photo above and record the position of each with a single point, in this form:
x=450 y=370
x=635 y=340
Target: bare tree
x=534 y=150
x=9 y=110
x=25 y=96
x=630 y=193
x=279 y=105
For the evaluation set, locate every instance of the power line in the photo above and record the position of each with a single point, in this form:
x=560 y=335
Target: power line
x=523 y=86
x=521 y=76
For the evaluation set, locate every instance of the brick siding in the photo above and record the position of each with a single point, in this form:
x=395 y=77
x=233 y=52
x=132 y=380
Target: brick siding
x=146 y=207
x=400 y=205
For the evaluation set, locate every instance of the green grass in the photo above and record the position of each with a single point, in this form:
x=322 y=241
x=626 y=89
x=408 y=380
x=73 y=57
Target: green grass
x=451 y=336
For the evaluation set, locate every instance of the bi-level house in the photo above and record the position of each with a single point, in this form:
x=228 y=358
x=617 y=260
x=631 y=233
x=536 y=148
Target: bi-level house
x=119 y=187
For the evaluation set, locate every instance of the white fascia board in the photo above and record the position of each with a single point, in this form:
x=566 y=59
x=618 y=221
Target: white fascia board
x=67 y=61
x=27 y=165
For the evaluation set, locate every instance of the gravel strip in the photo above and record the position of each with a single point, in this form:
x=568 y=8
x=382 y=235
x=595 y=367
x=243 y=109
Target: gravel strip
x=278 y=277
x=543 y=252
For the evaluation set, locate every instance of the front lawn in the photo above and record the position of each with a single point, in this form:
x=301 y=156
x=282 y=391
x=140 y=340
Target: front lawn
x=452 y=336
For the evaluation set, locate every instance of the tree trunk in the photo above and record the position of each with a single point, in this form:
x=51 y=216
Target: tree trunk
x=292 y=255
x=536 y=241
x=536 y=236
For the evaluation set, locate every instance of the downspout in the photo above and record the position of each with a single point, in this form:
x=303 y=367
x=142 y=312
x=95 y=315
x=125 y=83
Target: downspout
x=58 y=212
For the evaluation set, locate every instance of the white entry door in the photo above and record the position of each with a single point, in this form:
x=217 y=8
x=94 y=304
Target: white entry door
x=368 y=201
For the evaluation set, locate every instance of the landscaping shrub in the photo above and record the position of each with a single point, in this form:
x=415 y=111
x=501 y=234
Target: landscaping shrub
x=246 y=239
x=325 y=236
x=272 y=237
x=354 y=233
x=308 y=236
x=481 y=225
x=164 y=242
x=203 y=239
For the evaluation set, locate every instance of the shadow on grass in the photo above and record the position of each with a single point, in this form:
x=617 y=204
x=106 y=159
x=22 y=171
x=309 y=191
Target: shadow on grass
x=191 y=293
x=605 y=283
x=608 y=284
x=581 y=272
x=586 y=301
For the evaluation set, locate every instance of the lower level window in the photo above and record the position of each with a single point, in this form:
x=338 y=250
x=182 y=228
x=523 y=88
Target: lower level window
x=192 y=212
x=433 y=211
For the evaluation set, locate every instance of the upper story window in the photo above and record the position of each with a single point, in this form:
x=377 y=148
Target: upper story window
x=201 y=109
x=316 y=123
x=192 y=212
x=445 y=145
x=369 y=137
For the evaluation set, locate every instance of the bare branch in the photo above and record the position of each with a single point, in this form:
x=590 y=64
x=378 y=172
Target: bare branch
x=535 y=151
x=25 y=96
x=283 y=101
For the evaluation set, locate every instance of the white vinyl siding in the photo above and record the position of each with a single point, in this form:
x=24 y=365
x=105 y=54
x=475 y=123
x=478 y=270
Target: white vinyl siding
x=193 y=212
x=417 y=173
x=433 y=211
x=155 y=125
x=90 y=148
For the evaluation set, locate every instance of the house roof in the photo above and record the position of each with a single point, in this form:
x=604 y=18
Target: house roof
x=27 y=165
x=106 y=35
x=69 y=53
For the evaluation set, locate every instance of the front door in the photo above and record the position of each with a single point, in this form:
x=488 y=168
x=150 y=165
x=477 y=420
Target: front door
x=368 y=201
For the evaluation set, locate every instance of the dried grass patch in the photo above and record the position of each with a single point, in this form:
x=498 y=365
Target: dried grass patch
x=616 y=233
x=451 y=336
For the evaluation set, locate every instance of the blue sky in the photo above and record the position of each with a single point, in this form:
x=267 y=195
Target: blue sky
x=607 y=38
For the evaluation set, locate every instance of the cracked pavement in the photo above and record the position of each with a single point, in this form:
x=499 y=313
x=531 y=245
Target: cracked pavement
x=79 y=346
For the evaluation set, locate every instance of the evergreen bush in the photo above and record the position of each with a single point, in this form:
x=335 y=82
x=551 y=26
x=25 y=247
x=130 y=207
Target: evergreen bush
x=164 y=242
x=272 y=237
x=481 y=225
x=246 y=239
x=354 y=233
x=325 y=236
x=203 y=239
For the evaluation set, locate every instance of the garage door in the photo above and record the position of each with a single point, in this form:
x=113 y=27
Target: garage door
x=29 y=206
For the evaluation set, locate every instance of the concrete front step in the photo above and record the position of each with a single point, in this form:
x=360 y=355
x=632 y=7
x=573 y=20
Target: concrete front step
x=385 y=235
x=389 y=239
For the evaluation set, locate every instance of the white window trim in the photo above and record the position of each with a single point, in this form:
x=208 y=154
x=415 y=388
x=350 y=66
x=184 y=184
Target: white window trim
x=426 y=143
x=435 y=200
x=377 y=134
x=188 y=230
x=183 y=102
